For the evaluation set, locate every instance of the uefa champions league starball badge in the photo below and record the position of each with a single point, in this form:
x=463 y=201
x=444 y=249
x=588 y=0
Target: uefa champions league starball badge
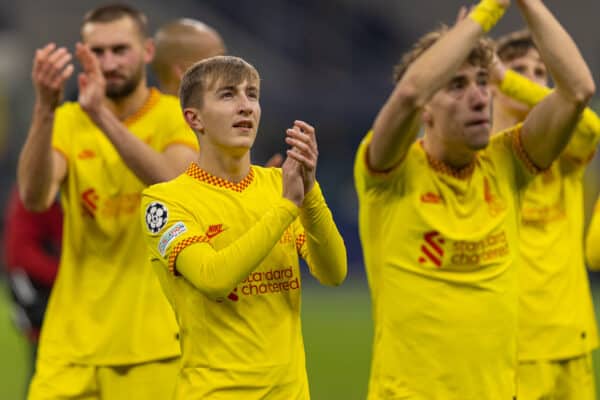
x=156 y=217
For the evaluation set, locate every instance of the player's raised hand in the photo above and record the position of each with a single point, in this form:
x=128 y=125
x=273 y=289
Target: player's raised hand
x=497 y=70
x=463 y=12
x=92 y=84
x=51 y=69
x=304 y=150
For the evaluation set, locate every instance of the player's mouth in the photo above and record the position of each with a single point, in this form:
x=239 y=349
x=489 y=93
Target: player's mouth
x=478 y=122
x=245 y=125
x=114 y=77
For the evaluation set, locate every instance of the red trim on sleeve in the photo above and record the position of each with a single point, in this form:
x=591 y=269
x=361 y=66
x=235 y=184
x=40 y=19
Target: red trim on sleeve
x=522 y=153
x=180 y=246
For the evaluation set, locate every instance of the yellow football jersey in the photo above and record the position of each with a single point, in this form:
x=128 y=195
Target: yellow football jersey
x=106 y=306
x=592 y=245
x=556 y=315
x=247 y=344
x=440 y=252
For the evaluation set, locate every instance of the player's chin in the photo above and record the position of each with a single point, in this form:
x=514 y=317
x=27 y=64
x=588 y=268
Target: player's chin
x=479 y=140
x=241 y=147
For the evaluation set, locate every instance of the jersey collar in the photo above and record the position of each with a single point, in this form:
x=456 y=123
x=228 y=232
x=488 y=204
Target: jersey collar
x=198 y=173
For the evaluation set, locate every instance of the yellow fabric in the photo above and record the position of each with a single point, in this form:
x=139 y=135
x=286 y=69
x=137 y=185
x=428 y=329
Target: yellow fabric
x=60 y=379
x=106 y=306
x=324 y=244
x=487 y=13
x=556 y=313
x=571 y=379
x=247 y=344
x=583 y=143
x=440 y=256
x=557 y=318
x=592 y=245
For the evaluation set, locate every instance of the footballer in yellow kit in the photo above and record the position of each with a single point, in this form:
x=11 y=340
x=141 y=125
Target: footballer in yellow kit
x=439 y=217
x=108 y=330
x=456 y=232
x=556 y=313
x=105 y=307
x=227 y=249
x=556 y=317
x=557 y=325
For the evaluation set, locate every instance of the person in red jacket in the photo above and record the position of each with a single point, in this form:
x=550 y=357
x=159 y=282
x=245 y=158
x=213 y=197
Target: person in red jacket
x=32 y=244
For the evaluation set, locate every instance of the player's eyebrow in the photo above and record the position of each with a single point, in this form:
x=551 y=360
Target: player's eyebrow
x=226 y=88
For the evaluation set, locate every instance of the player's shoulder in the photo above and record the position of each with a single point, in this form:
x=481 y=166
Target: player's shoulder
x=267 y=174
x=505 y=138
x=167 y=101
x=169 y=189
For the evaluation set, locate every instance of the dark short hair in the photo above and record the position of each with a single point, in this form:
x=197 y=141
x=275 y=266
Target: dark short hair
x=481 y=55
x=201 y=76
x=514 y=45
x=116 y=11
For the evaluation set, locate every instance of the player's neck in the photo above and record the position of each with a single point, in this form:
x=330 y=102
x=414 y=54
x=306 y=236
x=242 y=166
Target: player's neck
x=129 y=105
x=455 y=159
x=503 y=118
x=229 y=167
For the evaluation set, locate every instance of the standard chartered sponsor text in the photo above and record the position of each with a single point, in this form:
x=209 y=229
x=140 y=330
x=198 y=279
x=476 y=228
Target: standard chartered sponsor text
x=273 y=281
x=475 y=252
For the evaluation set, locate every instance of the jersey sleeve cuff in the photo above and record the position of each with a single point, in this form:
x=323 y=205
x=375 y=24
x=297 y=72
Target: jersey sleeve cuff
x=179 y=247
x=521 y=153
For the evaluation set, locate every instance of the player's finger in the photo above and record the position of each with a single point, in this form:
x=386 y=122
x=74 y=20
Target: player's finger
x=462 y=14
x=301 y=141
x=310 y=131
x=307 y=139
x=58 y=65
x=40 y=57
x=86 y=57
x=57 y=55
x=63 y=76
x=46 y=58
x=306 y=162
x=304 y=126
x=45 y=51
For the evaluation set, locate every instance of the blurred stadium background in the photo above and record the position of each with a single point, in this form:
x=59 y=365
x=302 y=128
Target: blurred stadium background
x=325 y=61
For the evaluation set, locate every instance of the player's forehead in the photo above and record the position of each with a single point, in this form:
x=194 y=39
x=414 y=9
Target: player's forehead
x=470 y=71
x=529 y=56
x=110 y=33
x=217 y=83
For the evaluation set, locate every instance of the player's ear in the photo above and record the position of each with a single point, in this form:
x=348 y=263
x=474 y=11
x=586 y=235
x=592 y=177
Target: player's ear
x=193 y=119
x=178 y=70
x=149 y=50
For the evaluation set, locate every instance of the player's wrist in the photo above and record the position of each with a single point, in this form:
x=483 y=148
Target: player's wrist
x=289 y=207
x=43 y=108
x=313 y=196
x=487 y=13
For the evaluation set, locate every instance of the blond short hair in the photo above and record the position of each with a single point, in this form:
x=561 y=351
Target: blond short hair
x=204 y=74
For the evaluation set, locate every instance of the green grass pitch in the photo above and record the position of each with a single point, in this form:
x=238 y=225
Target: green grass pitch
x=337 y=336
